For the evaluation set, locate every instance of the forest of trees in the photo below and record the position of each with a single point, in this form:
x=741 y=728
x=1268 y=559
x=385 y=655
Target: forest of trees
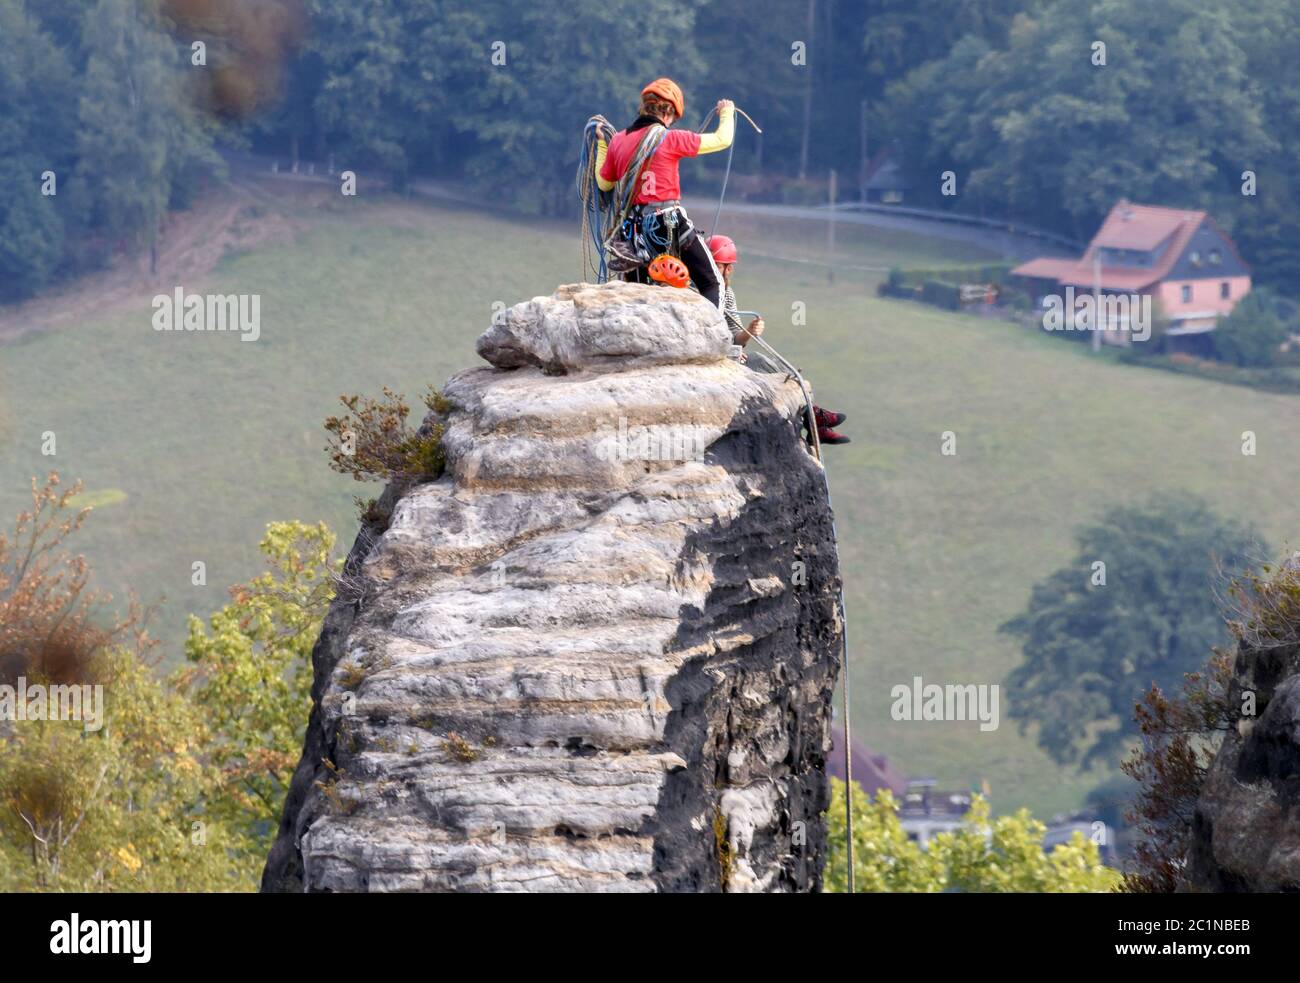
x=1007 y=94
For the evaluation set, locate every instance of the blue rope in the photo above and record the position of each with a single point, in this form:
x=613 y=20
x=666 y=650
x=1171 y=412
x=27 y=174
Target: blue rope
x=595 y=202
x=603 y=210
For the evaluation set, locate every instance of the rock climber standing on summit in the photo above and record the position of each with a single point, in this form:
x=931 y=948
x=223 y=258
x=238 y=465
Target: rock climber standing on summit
x=641 y=162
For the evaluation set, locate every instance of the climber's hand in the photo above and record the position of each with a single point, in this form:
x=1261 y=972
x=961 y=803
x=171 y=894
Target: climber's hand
x=755 y=328
x=725 y=104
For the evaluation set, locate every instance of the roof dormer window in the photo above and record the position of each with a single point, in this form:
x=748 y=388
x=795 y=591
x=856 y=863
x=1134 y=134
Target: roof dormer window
x=1216 y=257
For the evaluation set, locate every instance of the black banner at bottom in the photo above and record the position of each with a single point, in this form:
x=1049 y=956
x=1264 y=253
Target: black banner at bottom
x=142 y=933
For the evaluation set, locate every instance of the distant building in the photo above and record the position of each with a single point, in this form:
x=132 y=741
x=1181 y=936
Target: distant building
x=884 y=182
x=871 y=771
x=1062 y=829
x=926 y=811
x=1181 y=259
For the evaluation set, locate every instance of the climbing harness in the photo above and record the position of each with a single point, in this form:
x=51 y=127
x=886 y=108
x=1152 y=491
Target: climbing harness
x=815 y=444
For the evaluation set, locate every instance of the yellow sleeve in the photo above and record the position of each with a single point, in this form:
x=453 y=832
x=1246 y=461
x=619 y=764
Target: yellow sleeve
x=720 y=139
x=602 y=148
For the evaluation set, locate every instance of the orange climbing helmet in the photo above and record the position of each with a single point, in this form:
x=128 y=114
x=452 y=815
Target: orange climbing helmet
x=668 y=90
x=723 y=249
x=670 y=270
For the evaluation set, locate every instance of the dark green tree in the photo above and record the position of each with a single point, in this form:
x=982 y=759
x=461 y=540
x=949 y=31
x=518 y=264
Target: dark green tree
x=140 y=139
x=364 y=50
x=35 y=127
x=1090 y=651
x=1037 y=129
x=563 y=63
x=31 y=233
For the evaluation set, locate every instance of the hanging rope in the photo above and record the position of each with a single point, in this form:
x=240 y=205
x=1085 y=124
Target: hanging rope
x=726 y=175
x=815 y=443
x=714 y=111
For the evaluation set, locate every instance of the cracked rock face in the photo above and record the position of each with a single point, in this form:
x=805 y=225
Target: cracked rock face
x=598 y=653
x=1246 y=827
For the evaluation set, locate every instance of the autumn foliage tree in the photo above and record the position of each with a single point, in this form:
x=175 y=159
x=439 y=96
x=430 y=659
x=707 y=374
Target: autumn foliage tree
x=176 y=786
x=1181 y=733
x=1179 y=736
x=109 y=805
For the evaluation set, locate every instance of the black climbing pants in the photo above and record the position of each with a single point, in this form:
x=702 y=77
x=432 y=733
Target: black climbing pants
x=704 y=274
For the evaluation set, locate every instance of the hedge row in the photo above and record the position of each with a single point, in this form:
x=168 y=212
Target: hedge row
x=994 y=273
x=1275 y=379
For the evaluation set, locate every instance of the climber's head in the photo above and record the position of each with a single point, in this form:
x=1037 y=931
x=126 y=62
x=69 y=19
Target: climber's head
x=663 y=99
x=724 y=255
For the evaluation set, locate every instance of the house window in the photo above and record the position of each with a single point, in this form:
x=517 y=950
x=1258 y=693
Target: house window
x=1215 y=258
x=1196 y=258
x=1225 y=290
x=1187 y=293
x=1125 y=257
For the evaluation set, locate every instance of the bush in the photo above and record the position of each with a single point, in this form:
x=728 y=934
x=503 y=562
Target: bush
x=373 y=442
x=805 y=192
x=940 y=294
x=1252 y=334
x=996 y=273
x=1274 y=379
x=1179 y=738
x=1001 y=855
x=1019 y=301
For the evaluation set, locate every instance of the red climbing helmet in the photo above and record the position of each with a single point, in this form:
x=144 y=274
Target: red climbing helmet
x=670 y=270
x=669 y=91
x=723 y=249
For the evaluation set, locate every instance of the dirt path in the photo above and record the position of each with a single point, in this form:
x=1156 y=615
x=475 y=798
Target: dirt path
x=237 y=216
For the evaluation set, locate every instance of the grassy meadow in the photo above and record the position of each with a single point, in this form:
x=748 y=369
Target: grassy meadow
x=189 y=444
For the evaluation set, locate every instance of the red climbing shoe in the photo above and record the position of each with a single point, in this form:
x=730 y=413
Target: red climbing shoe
x=828 y=436
x=828 y=418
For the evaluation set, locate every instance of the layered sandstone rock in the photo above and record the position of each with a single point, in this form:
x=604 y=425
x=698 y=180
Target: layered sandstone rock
x=1246 y=827
x=598 y=653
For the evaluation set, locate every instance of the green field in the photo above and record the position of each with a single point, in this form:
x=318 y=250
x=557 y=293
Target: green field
x=191 y=443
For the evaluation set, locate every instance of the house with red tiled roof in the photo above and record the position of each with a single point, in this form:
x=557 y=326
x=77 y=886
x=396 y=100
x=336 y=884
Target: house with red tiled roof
x=871 y=771
x=1180 y=258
